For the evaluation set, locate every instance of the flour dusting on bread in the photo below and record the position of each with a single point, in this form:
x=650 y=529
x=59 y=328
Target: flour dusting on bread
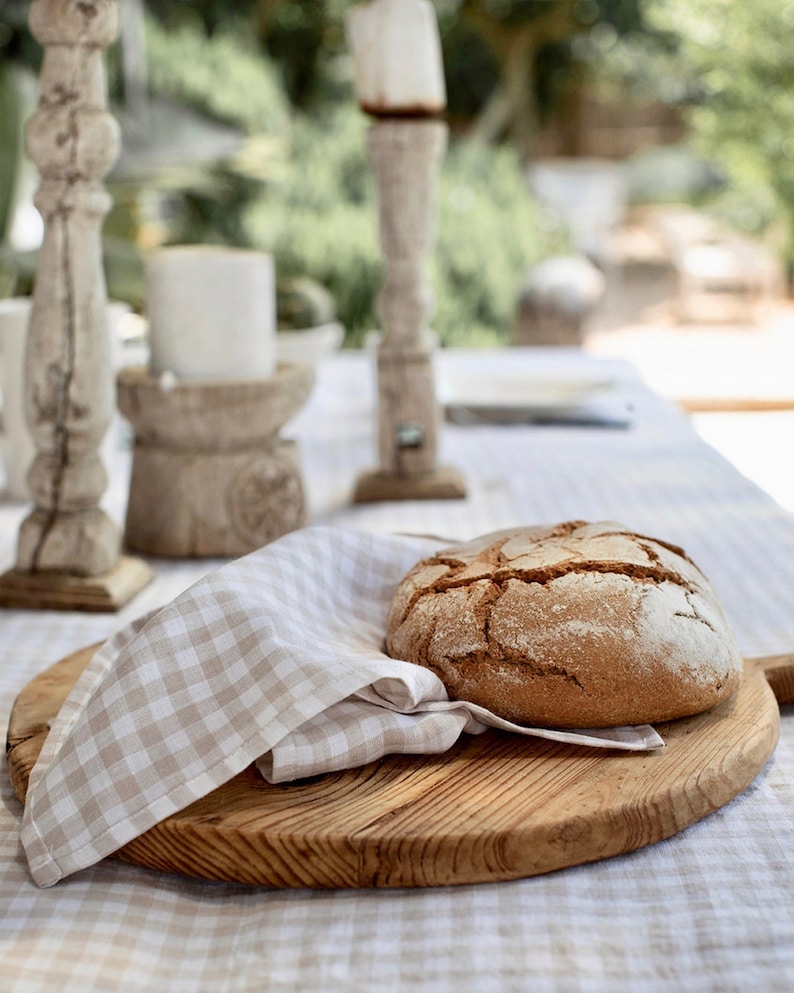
x=572 y=625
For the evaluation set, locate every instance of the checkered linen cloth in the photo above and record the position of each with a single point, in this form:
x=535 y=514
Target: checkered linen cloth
x=274 y=658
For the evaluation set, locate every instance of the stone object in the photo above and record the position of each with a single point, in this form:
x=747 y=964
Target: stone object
x=556 y=299
x=210 y=474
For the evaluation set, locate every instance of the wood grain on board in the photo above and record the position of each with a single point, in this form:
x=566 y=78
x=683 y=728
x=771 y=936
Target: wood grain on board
x=494 y=807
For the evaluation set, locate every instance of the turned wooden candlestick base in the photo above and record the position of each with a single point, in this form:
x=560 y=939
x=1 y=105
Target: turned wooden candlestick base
x=444 y=483
x=210 y=474
x=408 y=420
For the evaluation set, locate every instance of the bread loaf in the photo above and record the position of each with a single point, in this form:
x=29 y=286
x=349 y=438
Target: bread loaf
x=573 y=625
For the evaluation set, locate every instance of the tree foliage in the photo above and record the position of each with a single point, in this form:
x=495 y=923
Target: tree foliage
x=308 y=196
x=320 y=220
x=739 y=60
x=539 y=50
x=187 y=65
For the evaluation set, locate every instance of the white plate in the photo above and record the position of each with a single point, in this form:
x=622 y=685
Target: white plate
x=544 y=391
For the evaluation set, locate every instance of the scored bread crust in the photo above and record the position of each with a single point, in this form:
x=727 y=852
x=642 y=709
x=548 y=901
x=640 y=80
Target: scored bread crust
x=570 y=625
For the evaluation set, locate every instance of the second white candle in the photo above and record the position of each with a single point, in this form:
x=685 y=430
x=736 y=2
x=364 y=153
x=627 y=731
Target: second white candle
x=397 y=58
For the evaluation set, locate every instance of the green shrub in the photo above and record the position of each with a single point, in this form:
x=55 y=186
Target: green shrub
x=741 y=56
x=219 y=75
x=320 y=220
x=490 y=233
x=303 y=189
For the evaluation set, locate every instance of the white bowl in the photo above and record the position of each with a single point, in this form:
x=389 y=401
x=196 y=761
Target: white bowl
x=309 y=345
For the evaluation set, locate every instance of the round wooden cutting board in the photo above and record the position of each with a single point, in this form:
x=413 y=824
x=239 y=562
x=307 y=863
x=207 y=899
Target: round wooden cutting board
x=494 y=807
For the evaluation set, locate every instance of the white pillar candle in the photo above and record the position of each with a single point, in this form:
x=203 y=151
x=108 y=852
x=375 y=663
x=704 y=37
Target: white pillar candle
x=397 y=56
x=212 y=312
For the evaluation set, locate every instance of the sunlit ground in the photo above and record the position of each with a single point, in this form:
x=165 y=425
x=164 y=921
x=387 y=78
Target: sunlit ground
x=760 y=445
x=727 y=376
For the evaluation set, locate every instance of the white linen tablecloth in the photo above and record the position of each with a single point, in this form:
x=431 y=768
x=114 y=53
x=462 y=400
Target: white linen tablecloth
x=710 y=909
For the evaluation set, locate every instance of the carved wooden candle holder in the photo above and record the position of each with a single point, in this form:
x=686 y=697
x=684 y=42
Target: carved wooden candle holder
x=406 y=154
x=68 y=553
x=210 y=474
x=399 y=81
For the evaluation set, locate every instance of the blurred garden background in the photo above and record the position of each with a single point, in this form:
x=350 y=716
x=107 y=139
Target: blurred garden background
x=240 y=127
x=650 y=138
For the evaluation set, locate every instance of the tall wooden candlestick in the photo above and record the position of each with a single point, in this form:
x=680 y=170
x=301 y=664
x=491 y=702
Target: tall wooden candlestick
x=68 y=550
x=399 y=80
x=406 y=156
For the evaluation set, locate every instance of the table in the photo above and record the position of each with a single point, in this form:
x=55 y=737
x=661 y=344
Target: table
x=709 y=909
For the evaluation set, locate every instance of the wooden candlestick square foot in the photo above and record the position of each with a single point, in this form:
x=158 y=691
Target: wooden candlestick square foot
x=60 y=591
x=444 y=483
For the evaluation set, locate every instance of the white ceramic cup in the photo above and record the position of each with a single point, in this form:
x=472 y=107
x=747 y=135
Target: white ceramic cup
x=16 y=444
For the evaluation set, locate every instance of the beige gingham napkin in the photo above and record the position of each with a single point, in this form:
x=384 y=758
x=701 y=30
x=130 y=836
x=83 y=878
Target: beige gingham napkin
x=276 y=659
